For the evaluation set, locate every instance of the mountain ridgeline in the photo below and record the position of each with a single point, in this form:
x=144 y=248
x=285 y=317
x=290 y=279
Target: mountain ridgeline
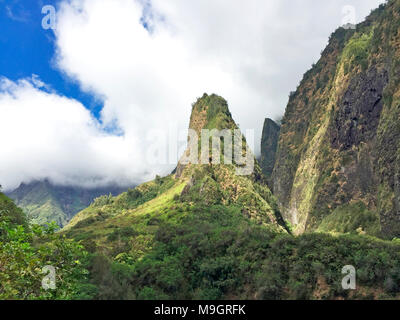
x=337 y=166
x=43 y=202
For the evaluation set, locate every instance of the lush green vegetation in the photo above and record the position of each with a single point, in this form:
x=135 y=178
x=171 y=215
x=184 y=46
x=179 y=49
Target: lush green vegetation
x=357 y=51
x=191 y=252
x=10 y=213
x=218 y=114
x=203 y=252
x=44 y=202
x=25 y=251
x=351 y=218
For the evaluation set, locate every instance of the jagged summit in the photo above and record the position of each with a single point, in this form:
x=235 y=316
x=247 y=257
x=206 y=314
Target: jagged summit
x=210 y=118
x=202 y=183
x=222 y=182
x=211 y=112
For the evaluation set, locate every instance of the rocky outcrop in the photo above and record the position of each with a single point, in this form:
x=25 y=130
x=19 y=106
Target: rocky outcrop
x=269 y=145
x=359 y=110
x=198 y=183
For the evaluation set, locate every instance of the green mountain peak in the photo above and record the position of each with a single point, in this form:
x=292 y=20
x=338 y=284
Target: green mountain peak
x=211 y=112
x=193 y=184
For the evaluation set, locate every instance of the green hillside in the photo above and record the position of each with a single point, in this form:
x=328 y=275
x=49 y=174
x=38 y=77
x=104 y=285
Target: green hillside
x=44 y=202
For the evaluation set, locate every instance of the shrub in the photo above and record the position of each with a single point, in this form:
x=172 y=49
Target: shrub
x=123 y=233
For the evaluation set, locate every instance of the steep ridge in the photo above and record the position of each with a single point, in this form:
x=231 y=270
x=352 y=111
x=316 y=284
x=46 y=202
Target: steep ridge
x=219 y=182
x=337 y=164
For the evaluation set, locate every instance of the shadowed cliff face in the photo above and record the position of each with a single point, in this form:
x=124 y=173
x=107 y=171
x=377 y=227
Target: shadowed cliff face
x=269 y=145
x=359 y=110
x=339 y=141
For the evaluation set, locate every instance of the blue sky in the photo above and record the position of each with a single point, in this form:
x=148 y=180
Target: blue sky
x=27 y=49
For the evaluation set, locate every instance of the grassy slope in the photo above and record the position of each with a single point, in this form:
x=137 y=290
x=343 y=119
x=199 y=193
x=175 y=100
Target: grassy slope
x=169 y=249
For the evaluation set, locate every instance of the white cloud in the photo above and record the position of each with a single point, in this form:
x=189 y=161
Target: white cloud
x=253 y=53
x=45 y=135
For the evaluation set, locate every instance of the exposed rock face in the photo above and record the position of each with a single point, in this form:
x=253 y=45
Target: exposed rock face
x=359 y=110
x=339 y=141
x=269 y=145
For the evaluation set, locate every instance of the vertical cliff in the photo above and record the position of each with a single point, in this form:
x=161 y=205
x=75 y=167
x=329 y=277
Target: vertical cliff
x=337 y=164
x=269 y=145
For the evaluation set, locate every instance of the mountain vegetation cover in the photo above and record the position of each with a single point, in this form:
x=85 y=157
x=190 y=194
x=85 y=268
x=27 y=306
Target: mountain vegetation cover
x=44 y=202
x=337 y=162
x=205 y=232
x=26 y=249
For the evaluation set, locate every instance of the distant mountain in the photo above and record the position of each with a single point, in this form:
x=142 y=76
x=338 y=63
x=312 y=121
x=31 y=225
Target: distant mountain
x=44 y=202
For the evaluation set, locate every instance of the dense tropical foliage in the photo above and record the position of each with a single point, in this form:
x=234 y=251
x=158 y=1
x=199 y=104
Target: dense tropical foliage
x=26 y=250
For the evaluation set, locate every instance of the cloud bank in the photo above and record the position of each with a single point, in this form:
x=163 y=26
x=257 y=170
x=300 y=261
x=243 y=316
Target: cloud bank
x=45 y=135
x=148 y=61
